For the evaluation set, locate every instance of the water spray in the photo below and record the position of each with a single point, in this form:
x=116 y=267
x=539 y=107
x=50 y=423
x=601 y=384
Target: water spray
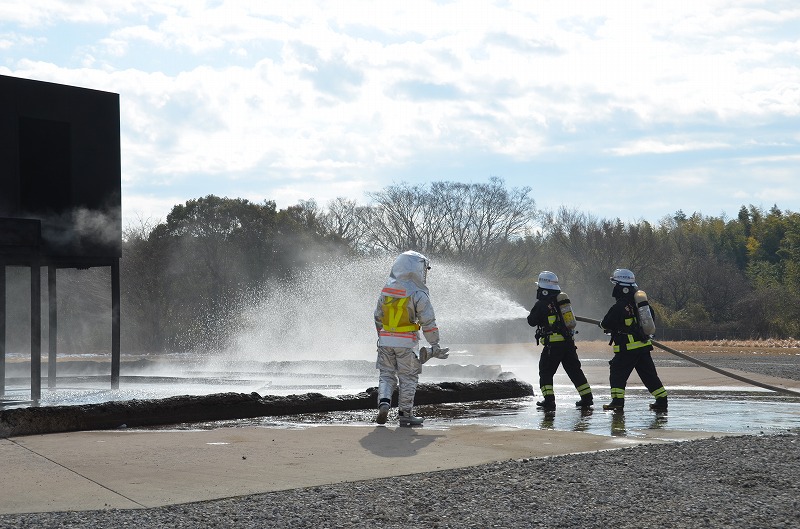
x=709 y=366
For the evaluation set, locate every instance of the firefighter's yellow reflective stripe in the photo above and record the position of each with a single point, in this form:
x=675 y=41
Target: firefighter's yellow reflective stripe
x=547 y=390
x=395 y=311
x=632 y=343
x=406 y=328
x=659 y=393
x=585 y=389
x=617 y=393
x=554 y=337
x=395 y=315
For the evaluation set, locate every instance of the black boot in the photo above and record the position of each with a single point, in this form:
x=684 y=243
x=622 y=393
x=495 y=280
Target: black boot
x=659 y=405
x=383 y=411
x=586 y=401
x=548 y=404
x=615 y=404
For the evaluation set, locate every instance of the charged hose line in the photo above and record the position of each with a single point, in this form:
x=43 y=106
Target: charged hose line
x=709 y=366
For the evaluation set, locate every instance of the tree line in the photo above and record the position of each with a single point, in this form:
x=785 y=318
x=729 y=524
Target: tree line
x=704 y=274
x=184 y=279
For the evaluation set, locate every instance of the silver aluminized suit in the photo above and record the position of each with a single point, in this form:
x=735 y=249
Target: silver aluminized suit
x=397 y=346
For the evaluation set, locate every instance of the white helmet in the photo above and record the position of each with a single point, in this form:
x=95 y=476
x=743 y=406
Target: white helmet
x=548 y=281
x=623 y=276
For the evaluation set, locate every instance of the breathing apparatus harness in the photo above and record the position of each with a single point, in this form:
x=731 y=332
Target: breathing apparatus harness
x=556 y=329
x=629 y=335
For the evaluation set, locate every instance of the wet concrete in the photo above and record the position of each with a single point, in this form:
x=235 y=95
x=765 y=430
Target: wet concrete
x=206 y=459
x=191 y=408
x=700 y=400
x=701 y=413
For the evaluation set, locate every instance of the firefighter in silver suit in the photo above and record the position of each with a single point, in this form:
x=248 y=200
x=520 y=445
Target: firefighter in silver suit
x=403 y=309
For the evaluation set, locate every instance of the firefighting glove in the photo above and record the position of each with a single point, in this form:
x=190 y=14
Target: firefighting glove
x=439 y=352
x=435 y=351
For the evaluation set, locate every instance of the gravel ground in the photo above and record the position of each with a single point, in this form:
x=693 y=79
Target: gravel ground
x=742 y=482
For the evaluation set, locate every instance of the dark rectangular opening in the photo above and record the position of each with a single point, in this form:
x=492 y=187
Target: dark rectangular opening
x=45 y=166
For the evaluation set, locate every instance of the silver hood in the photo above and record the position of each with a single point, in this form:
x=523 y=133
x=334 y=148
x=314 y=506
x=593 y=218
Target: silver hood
x=409 y=272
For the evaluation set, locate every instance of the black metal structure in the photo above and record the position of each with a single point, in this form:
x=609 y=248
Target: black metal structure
x=60 y=199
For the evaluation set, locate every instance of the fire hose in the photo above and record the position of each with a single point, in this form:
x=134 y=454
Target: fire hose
x=709 y=366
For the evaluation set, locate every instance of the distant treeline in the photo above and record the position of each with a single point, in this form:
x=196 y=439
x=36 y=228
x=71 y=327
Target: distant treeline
x=185 y=278
x=706 y=276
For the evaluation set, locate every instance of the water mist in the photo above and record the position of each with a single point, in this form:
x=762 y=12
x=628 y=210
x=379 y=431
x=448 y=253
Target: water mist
x=326 y=312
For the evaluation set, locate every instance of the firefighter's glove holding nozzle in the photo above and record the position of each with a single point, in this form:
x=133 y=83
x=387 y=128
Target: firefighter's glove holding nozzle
x=439 y=352
x=435 y=351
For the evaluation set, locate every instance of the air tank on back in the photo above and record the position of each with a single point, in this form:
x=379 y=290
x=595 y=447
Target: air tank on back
x=565 y=307
x=645 y=316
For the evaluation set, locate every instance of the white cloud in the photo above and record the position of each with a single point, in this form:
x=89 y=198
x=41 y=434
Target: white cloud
x=653 y=146
x=322 y=93
x=770 y=159
x=683 y=179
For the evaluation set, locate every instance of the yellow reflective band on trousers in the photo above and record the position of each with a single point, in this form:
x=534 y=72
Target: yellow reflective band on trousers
x=617 y=393
x=554 y=337
x=659 y=393
x=395 y=315
x=547 y=390
x=632 y=342
x=584 y=389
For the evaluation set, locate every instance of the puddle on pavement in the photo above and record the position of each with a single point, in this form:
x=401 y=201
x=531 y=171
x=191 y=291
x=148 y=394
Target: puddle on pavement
x=719 y=412
x=736 y=410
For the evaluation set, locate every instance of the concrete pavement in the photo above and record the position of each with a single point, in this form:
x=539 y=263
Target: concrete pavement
x=139 y=469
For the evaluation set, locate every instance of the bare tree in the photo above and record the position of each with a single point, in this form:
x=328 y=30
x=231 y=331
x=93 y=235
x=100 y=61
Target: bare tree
x=595 y=247
x=407 y=217
x=345 y=219
x=471 y=222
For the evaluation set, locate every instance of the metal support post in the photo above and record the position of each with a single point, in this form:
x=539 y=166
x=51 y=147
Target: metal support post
x=115 y=324
x=36 y=330
x=52 y=327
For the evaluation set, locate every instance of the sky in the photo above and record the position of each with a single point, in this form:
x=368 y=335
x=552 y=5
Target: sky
x=618 y=109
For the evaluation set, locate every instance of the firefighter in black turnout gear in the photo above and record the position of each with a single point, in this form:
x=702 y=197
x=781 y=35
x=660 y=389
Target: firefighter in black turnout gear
x=552 y=316
x=632 y=346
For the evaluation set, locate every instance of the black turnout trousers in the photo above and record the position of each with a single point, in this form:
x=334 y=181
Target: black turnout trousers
x=560 y=353
x=624 y=362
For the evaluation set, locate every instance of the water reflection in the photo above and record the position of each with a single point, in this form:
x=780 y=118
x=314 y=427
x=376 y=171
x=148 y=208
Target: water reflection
x=710 y=414
x=583 y=422
x=618 y=423
x=548 y=420
x=659 y=420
